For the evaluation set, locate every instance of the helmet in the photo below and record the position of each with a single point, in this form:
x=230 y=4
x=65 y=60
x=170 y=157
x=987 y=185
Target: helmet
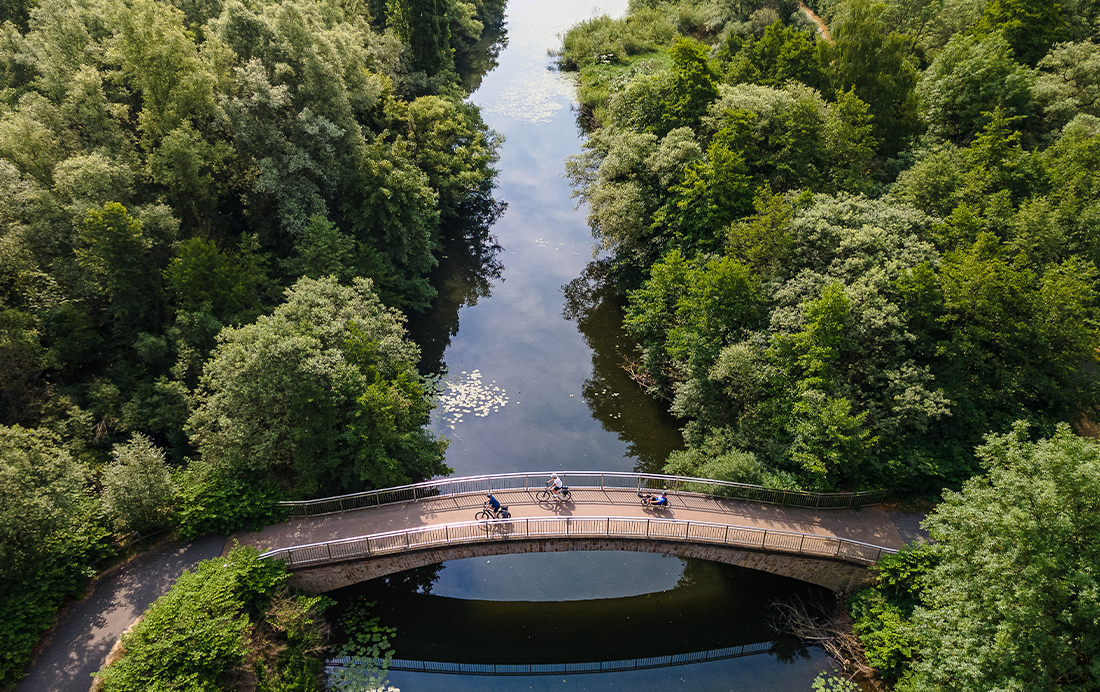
x=664 y=493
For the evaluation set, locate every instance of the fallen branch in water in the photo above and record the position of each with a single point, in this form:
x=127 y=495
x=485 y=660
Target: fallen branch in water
x=830 y=627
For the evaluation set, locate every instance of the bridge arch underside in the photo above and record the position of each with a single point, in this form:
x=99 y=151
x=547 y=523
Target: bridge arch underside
x=837 y=575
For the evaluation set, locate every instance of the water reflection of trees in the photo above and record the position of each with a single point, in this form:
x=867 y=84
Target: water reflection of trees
x=621 y=406
x=469 y=265
x=475 y=59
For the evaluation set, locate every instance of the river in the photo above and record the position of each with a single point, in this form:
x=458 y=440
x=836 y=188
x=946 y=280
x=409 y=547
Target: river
x=531 y=387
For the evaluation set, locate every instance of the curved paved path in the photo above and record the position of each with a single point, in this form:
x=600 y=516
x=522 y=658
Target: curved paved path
x=86 y=630
x=867 y=525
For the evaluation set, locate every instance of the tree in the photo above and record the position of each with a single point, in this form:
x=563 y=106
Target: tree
x=1069 y=83
x=967 y=82
x=1031 y=27
x=693 y=86
x=422 y=26
x=323 y=392
x=138 y=492
x=114 y=253
x=50 y=534
x=875 y=63
x=781 y=54
x=1013 y=603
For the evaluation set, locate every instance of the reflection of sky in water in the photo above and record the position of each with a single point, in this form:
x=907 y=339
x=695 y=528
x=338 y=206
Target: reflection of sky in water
x=558 y=576
x=761 y=673
x=517 y=337
x=527 y=89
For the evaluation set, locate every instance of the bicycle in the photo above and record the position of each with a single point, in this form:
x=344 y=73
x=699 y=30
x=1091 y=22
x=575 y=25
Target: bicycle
x=649 y=502
x=486 y=514
x=545 y=495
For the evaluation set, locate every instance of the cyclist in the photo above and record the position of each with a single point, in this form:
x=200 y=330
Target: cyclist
x=659 y=501
x=492 y=504
x=555 y=485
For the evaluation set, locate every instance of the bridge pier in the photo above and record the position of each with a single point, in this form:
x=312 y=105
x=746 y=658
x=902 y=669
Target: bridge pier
x=836 y=575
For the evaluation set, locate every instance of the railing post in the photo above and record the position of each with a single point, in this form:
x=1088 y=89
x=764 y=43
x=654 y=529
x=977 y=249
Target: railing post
x=328 y=550
x=647 y=528
x=608 y=532
x=601 y=481
x=528 y=522
x=447 y=533
x=764 y=540
x=838 y=544
x=801 y=542
x=726 y=538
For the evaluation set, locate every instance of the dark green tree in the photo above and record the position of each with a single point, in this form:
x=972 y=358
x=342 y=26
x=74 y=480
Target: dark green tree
x=422 y=25
x=1031 y=27
x=693 y=87
x=866 y=57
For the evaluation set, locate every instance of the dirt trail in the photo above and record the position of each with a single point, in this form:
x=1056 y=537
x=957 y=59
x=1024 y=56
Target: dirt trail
x=821 y=28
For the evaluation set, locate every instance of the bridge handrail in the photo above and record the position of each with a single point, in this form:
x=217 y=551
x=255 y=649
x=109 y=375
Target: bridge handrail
x=525 y=669
x=450 y=487
x=525 y=528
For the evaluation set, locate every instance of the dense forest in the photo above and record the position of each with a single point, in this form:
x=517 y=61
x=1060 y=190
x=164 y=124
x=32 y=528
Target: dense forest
x=214 y=220
x=855 y=242
x=848 y=259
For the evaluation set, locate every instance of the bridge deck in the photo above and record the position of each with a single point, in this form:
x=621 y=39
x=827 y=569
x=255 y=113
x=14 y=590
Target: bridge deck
x=867 y=525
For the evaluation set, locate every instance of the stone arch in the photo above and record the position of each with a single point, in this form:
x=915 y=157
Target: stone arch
x=837 y=575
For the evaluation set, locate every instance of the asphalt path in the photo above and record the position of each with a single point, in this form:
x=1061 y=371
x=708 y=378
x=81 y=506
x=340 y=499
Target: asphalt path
x=87 y=629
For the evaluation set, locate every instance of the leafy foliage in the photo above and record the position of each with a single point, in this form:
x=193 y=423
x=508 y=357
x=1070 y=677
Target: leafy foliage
x=883 y=614
x=1012 y=601
x=231 y=623
x=138 y=492
x=323 y=392
x=51 y=532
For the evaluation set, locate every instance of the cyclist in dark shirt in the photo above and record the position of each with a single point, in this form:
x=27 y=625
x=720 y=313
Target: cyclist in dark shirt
x=493 y=503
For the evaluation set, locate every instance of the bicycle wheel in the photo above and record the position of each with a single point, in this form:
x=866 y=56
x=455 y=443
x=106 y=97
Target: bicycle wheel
x=564 y=494
x=483 y=516
x=543 y=496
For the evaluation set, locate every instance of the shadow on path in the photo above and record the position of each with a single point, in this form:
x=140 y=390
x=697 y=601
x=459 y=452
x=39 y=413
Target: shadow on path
x=87 y=629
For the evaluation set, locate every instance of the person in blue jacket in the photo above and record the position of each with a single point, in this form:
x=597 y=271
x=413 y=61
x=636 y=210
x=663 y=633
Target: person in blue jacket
x=493 y=504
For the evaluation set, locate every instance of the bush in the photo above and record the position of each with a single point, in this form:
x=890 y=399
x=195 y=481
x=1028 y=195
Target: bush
x=231 y=624
x=50 y=534
x=212 y=502
x=138 y=492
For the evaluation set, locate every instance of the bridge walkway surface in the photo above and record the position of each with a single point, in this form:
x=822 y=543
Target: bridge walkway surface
x=870 y=525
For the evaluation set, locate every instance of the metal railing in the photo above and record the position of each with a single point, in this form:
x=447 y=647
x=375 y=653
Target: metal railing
x=497 y=669
x=450 y=487
x=525 y=528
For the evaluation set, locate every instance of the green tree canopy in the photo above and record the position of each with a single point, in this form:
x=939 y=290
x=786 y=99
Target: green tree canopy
x=323 y=392
x=1014 y=602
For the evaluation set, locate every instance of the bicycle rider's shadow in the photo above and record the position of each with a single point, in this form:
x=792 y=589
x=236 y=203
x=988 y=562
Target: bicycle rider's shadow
x=561 y=509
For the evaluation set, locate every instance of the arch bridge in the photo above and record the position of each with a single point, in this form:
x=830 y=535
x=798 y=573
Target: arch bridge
x=824 y=539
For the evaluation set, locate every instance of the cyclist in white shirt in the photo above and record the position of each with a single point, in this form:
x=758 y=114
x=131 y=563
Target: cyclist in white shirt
x=554 y=484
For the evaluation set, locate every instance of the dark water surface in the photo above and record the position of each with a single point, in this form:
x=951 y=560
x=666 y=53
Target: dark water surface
x=536 y=384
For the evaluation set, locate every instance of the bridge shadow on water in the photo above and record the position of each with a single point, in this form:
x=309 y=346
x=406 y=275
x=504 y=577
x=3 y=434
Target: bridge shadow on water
x=712 y=607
